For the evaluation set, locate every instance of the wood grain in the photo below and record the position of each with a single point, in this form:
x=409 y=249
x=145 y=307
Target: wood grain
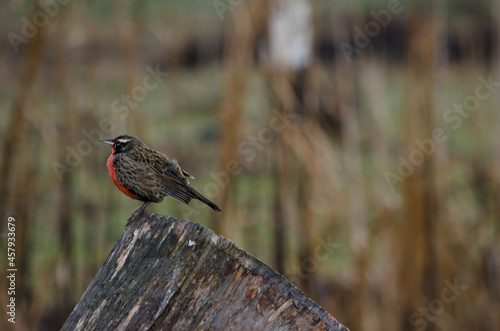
x=170 y=274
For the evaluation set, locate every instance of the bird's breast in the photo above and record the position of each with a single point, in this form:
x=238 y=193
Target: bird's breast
x=116 y=179
x=111 y=167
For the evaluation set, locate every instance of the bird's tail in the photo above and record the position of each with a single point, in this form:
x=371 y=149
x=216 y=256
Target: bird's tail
x=199 y=196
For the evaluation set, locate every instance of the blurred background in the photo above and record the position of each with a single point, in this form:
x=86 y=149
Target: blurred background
x=353 y=146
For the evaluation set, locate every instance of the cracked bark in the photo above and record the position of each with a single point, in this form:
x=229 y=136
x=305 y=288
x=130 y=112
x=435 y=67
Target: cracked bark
x=170 y=274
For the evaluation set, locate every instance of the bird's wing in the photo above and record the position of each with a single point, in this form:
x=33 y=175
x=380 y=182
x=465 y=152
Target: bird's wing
x=163 y=165
x=155 y=181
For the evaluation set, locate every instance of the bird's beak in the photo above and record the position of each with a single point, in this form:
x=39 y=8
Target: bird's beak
x=107 y=141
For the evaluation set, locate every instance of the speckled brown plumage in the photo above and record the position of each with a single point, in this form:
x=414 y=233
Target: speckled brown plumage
x=147 y=175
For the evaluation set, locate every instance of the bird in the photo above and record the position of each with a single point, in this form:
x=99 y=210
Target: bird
x=148 y=175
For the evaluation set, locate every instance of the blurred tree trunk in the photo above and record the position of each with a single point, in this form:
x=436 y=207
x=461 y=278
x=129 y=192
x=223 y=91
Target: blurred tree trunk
x=415 y=238
x=238 y=60
x=354 y=177
x=286 y=202
x=19 y=188
x=16 y=128
x=135 y=70
x=129 y=27
x=290 y=55
x=348 y=79
x=64 y=73
x=283 y=195
x=490 y=250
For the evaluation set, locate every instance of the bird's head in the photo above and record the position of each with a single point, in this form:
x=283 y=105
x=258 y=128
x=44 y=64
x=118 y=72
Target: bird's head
x=123 y=143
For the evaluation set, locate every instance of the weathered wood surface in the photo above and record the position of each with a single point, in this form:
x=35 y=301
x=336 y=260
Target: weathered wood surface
x=170 y=274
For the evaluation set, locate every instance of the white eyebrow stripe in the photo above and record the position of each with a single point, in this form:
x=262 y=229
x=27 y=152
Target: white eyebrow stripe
x=124 y=140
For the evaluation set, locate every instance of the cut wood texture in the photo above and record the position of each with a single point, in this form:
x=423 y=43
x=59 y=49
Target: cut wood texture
x=171 y=274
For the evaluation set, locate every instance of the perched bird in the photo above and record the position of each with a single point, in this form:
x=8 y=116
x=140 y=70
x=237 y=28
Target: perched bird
x=145 y=174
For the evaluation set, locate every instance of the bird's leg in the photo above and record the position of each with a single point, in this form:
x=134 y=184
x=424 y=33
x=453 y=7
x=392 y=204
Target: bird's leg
x=139 y=210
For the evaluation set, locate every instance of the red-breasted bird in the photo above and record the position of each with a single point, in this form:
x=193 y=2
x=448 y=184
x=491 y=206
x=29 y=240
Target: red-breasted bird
x=145 y=174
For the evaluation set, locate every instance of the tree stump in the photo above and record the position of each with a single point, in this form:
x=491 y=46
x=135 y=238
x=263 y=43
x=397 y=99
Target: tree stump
x=171 y=274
